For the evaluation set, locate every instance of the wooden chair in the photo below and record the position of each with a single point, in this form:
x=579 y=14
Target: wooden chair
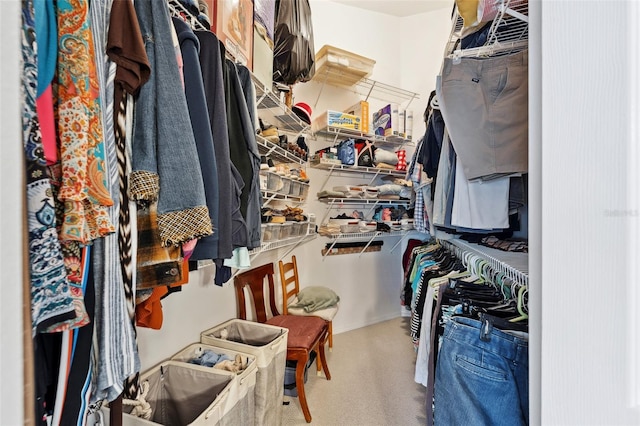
x=305 y=333
x=290 y=289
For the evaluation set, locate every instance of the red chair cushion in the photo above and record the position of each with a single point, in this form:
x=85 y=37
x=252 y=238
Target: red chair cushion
x=303 y=331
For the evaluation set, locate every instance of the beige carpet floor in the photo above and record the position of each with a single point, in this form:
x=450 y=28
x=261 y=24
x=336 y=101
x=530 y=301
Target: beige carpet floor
x=372 y=370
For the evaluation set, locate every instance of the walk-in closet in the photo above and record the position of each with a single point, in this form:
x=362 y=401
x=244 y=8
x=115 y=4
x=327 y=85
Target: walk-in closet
x=338 y=212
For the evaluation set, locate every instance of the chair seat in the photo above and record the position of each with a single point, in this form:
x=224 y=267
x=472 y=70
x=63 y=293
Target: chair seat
x=303 y=331
x=326 y=314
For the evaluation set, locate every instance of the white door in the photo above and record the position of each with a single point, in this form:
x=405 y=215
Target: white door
x=587 y=113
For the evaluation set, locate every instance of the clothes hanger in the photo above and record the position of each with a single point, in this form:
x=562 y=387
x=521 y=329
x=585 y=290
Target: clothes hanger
x=470 y=261
x=500 y=281
x=479 y=266
x=522 y=291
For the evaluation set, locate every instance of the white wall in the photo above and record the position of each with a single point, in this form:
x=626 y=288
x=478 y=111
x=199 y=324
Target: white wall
x=423 y=39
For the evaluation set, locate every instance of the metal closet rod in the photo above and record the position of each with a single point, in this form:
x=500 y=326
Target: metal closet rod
x=499 y=266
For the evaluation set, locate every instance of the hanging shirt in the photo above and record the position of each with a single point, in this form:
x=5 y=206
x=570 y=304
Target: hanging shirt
x=51 y=299
x=83 y=188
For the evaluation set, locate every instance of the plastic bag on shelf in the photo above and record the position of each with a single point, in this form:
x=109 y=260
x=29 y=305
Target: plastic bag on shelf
x=294 y=52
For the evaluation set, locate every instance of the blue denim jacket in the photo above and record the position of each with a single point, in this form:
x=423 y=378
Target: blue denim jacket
x=164 y=158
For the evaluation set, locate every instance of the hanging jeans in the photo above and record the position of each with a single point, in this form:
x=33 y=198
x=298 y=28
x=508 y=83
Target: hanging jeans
x=481 y=376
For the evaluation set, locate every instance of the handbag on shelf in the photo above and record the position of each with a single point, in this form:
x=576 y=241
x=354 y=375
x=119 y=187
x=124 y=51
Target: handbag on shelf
x=347 y=152
x=366 y=152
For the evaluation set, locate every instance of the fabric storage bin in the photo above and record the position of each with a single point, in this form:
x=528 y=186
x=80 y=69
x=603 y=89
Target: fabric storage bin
x=268 y=344
x=184 y=394
x=242 y=395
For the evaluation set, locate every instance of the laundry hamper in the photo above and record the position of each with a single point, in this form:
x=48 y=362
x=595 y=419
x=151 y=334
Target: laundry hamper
x=185 y=394
x=242 y=396
x=268 y=344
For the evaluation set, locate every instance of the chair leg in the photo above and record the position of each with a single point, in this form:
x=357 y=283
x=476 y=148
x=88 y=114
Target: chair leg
x=322 y=357
x=302 y=397
x=318 y=360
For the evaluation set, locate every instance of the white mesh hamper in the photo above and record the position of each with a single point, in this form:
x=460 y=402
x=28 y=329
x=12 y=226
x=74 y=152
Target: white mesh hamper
x=269 y=345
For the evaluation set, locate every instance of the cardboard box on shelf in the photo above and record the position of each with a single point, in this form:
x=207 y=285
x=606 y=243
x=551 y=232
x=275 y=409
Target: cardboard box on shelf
x=337 y=119
x=361 y=109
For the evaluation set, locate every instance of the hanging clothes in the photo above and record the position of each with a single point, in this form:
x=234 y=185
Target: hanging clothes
x=429 y=154
x=468 y=318
x=156 y=265
x=47 y=41
x=422 y=214
x=494 y=388
x=243 y=150
x=253 y=217
x=480 y=205
x=83 y=187
x=113 y=276
x=78 y=386
x=164 y=146
x=51 y=298
x=199 y=116
x=486 y=113
x=211 y=67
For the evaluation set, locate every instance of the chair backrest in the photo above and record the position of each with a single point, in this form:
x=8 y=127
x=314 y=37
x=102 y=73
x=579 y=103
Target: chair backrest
x=289 y=280
x=253 y=280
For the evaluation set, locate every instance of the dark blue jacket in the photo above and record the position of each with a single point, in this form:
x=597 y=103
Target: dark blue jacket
x=231 y=228
x=207 y=247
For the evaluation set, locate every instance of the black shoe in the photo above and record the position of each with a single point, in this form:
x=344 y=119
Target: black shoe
x=302 y=143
